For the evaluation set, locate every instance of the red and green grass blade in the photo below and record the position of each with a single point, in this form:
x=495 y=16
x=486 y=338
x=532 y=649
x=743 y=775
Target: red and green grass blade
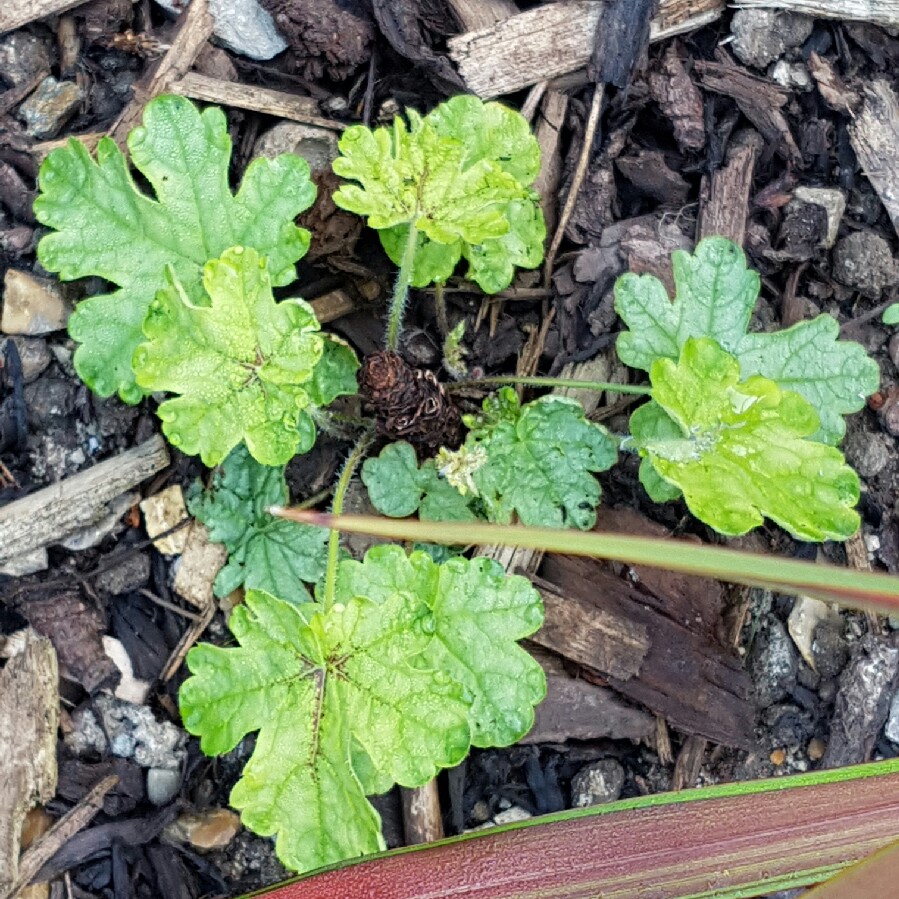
x=861 y=589
x=729 y=842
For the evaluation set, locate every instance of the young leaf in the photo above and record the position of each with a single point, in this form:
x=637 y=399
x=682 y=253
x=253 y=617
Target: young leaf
x=398 y=487
x=540 y=459
x=105 y=226
x=741 y=453
x=479 y=614
x=715 y=297
x=891 y=314
x=462 y=176
x=264 y=553
x=242 y=363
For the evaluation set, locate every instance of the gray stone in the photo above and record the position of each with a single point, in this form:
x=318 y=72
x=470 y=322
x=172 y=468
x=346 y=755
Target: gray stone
x=32 y=305
x=131 y=572
x=597 y=783
x=134 y=733
x=86 y=736
x=318 y=146
x=830 y=649
x=34 y=354
x=23 y=56
x=868 y=453
x=50 y=107
x=763 y=35
x=162 y=785
x=891 y=728
x=834 y=203
x=241 y=25
x=774 y=663
x=49 y=402
x=791 y=75
x=864 y=261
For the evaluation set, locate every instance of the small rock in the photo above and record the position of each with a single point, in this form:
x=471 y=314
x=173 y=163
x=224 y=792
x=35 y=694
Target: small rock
x=86 y=736
x=816 y=749
x=834 y=203
x=128 y=573
x=318 y=146
x=32 y=305
x=130 y=688
x=805 y=617
x=597 y=783
x=893 y=350
x=212 y=829
x=774 y=663
x=50 y=107
x=34 y=355
x=863 y=261
x=867 y=453
x=241 y=25
x=793 y=75
x=891 y=728
x=830 y=649
x=762 y=36
x=162 y=785
x=49 y=402
x=23 y=56
x=163 y=511
x=134 y=733
x=200 y=562
x=511 y=815
x=778 y=757
x=30 y=563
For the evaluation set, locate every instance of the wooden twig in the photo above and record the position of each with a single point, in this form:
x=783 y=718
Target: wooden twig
x=73 y=821
x=257 y=99
x=51 y=514
x=577 y=180
x=476 y=14
x=422 y=819
x=188 y=638
x=552 y=40
x=549 y=135
x=878 y=12
x=194 y=30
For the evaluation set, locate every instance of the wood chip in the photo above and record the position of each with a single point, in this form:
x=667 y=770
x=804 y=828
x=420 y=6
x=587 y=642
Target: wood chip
x=554 y=39
x=679 y=99
x=16 y=13
x=200 y=563
x=878 y=12
x=29 y=716
x=875 y=139
x=51 y=514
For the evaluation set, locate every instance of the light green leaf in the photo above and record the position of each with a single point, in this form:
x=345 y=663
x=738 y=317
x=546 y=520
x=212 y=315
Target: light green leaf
x=105 y=226
x=742 y=451
x=398 y=487
x=264 y=553
x=238 y=363
x=479 y=615
x=540 y=460
x=655 y=425
x=715 y=296
x=462 y=176
x=319 y=689
x=891 y=314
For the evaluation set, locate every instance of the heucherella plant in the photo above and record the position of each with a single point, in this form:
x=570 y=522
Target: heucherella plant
x=455 y=183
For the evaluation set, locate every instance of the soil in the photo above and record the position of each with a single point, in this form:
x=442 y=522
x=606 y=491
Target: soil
x=667 y=127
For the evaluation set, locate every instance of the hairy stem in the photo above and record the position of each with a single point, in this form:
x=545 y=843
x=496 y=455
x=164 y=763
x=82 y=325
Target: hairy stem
x=636 y=389
x=343 y=482
x=401 y=290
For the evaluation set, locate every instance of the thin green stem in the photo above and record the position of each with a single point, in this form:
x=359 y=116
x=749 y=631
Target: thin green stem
x=401 y=289
x=636 y=389
x=343 y=482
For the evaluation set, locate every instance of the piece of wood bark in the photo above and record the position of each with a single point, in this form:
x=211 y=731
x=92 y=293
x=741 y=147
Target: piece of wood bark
x=194 y=30
x=51 y=514
x=549 y=135
x=679 y=99
x=29 y=716
x=878 y=12
x=476 y=14
x=696 y=684
x=422 y=818
x=552 y=40
x=576 y=709
x=724 y=205
x=759 y=99
x=16 y=13
x=249 y=96
x=875 y=138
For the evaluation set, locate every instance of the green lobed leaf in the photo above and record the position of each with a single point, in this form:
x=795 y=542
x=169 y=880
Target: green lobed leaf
x=742 y=451
x=242 y=364
x=479 y=615
x=715 y=296
x=540 y=460
x=655 y=425
x=264 y=552
x=320 y=689
x=462 y=175
x=398 y=487
x=105 y=226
